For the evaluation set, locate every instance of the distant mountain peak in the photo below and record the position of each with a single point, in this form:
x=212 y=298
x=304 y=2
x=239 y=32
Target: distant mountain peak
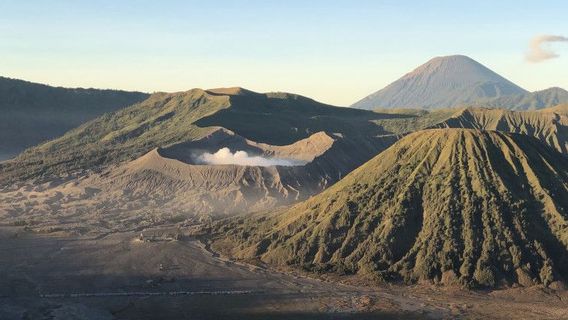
x=445 y=81
x=447 y=60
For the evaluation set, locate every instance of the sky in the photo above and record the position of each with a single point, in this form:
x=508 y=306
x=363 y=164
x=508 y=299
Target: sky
x=336 y=52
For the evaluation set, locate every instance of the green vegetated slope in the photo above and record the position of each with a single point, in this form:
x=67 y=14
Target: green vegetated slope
x=548 y=125
x=415 y=119
x=33 y=113
x=528 y=101
x=455 y=206
x=283 y=118
x=119 y=136
x=168 y=118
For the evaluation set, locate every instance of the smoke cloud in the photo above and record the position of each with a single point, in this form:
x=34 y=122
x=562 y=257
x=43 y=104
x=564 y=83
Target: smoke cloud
x=225 y=156
x=536 y=51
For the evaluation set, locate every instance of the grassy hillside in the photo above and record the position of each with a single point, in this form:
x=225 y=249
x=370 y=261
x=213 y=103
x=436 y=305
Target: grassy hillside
x=416 y=119
x=548 y=125
x=165 y=119
x=283 y=118
x=452 y=206
x=115 y=137
x=33 y=113
x=528 y=101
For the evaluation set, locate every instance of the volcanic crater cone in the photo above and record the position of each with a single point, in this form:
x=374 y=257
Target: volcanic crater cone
x=452 y=206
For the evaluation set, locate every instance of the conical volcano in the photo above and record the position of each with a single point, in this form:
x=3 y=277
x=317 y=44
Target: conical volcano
x=442 y=82
x=451 y=206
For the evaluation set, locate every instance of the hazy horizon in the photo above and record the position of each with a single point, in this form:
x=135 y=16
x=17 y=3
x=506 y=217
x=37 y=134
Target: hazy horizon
x=336 y=53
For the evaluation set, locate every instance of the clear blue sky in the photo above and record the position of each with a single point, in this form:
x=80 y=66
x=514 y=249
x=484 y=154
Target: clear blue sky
x=334 y=51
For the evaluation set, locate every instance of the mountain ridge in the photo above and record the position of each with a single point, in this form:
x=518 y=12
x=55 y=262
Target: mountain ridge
x=170 y=118
x=548 y=125
x=529 y=101
x=34 y=113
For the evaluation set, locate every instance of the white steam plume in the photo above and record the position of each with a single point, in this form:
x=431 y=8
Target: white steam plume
x=225 y=156
x=536 y=51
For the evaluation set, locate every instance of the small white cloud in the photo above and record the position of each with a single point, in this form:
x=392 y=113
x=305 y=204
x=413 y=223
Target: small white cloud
x=536 y=51
x=225 y=156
